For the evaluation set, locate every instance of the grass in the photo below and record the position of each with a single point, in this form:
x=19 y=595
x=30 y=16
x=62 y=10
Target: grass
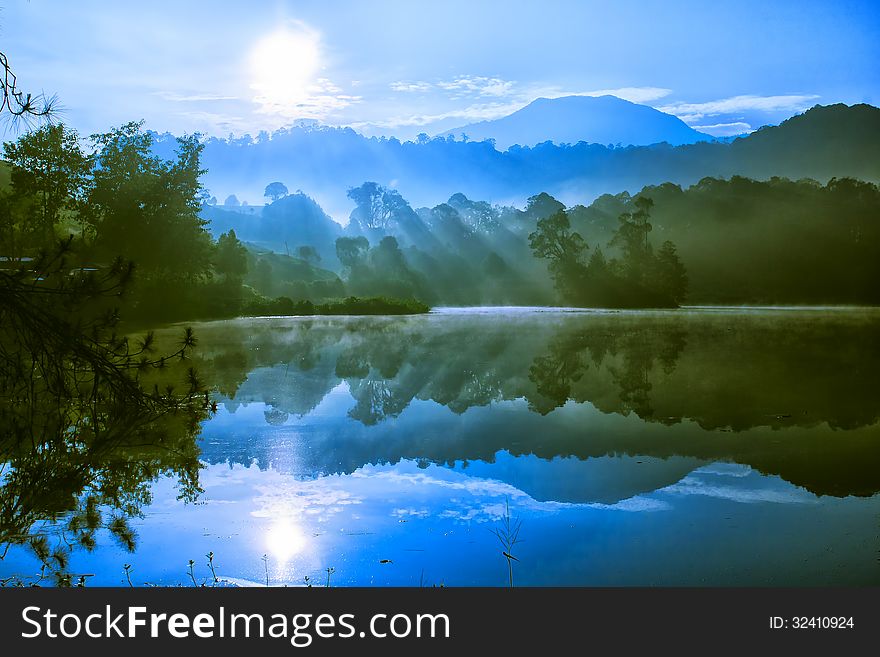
x=508 y=534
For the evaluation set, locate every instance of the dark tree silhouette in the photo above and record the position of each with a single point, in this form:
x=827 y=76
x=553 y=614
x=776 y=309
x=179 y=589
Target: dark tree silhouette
x=230 y=259
x=554 y=240
x=275 y=191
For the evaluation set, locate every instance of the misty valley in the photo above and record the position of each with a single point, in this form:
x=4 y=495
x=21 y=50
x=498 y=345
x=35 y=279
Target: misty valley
x=584 y=343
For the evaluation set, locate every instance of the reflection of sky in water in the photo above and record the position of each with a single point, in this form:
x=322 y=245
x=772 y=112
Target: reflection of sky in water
x=720 y=523
x=293 y=472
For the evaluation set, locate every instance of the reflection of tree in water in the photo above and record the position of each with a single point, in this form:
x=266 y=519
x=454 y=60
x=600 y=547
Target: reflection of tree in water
x=478 y=389
x=275 y=417
x=386 y=372
x=375 y=401
x=553 y=375
x=371 y=368
x=87 y=420
x=628 y=356
x=738 y=371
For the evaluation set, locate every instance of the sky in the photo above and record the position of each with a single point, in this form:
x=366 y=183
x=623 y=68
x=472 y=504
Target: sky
x=394 y=68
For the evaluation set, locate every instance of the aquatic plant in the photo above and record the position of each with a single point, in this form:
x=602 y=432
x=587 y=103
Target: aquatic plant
x=508 y=534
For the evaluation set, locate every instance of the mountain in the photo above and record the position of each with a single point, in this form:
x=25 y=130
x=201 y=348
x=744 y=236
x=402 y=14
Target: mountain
x=824 y=142
x=591 y=119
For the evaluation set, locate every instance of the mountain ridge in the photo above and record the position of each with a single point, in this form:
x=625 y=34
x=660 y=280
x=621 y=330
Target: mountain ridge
x=825 y=141
x=590 y=119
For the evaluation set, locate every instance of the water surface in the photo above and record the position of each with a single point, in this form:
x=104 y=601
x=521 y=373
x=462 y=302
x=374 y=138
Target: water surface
x=699 y=446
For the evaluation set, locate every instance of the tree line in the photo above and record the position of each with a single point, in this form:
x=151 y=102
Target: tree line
x=637 y=277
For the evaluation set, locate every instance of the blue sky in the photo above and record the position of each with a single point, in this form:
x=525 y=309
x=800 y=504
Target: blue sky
x=401 y=68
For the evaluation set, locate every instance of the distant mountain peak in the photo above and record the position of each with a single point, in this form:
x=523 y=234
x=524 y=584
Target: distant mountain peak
x=572 y=119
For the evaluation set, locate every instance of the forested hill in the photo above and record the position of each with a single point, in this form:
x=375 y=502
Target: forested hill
x=741 y=241
x=824 y=142
x=775 y=241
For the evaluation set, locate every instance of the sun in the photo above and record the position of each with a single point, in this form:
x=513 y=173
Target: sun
x=285 y=540
x=285 y=64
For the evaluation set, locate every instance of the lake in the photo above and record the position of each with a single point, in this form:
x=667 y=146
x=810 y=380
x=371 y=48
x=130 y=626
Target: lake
x=703 y=446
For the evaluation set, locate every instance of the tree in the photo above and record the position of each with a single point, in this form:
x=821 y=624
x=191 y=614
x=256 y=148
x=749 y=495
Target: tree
x=554 y=240
x=263 y=276
x=84 y=425
x=309 y=254
x=146 y=209
x=231 y=201
x=275 y=191
x=230 y=259
x=387 y=258
x=541 y=206
x=49 y=166
x=376 y=205
x=671 y=275
x=352 y=251
x=632 y=239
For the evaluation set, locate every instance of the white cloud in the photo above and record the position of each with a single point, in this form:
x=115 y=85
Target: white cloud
x=317 y=101
x=478 y=85
x=725 y=129
x=191 y=98
x=460 y=87
x=692 y=112
x=411 y=87
x=747 y=490
x=632 y=94
x=469 y=114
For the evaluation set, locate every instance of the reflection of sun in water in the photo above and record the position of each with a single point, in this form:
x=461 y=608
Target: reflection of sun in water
x=284 y=64
x=284 y=540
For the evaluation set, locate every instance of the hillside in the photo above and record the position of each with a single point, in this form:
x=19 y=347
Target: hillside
x=741 y=241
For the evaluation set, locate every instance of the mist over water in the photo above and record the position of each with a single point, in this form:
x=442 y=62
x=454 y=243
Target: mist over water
x=701 y=446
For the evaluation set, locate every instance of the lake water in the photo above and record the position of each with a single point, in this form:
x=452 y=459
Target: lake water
x=692 y=447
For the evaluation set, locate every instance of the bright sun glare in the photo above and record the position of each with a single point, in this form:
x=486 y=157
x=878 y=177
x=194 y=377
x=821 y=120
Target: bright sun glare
x=284 y=540
x=284 y=65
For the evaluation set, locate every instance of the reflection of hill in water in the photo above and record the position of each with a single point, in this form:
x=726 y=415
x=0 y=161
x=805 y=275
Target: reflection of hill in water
x=788 y=392
x=603 y=479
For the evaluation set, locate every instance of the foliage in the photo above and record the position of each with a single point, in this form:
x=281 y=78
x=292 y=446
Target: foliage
x=554 y=240
x=87 y=418
x=231 y=258
x=637 y=278
x=507 y=533
x=309 y=254
x=275 y=191
x=20 y=105
x=382 y=270
x=146 y=209
x=352 y=251
x=50 y=173
x=348 y=306
x=375 y=206
x=775 y=241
